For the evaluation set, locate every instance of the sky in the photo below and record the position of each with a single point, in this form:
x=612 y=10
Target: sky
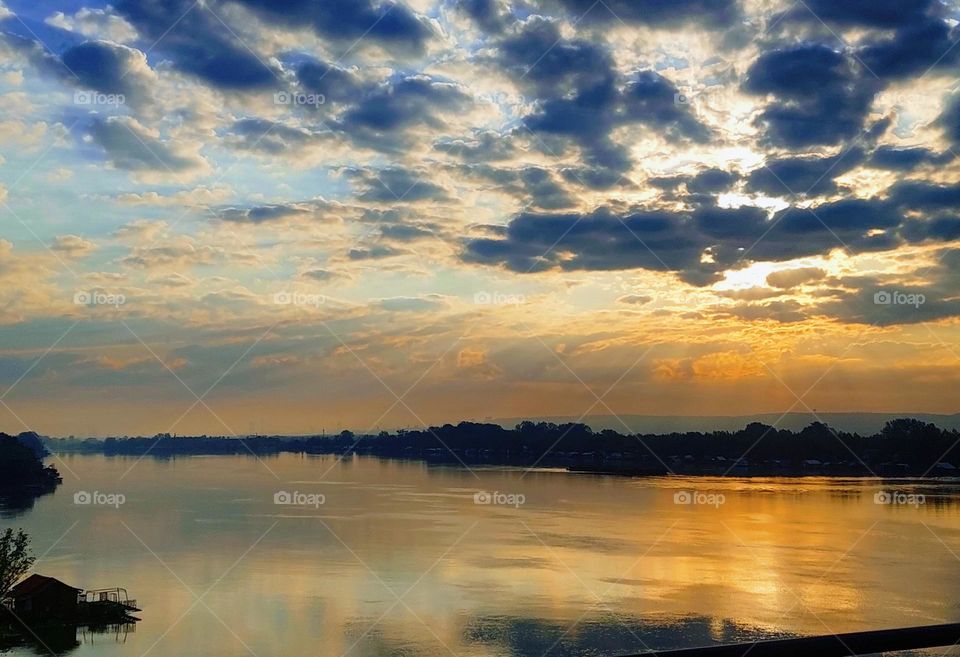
x=284 y=216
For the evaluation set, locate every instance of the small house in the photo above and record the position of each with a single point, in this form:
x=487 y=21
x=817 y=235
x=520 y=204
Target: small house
x=39 y=596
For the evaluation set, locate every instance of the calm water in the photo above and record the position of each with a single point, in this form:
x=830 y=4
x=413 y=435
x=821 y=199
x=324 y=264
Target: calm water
x=399 y=559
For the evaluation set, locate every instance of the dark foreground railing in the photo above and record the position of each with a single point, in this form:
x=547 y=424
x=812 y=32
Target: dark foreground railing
x=833 y=645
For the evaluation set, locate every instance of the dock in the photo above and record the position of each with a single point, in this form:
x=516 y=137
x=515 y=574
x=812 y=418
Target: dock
x=830 y=645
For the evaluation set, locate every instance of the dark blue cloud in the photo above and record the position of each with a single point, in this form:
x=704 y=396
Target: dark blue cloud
x=482 y=146
x=391 y=24
x=944 y=228
x=405 y=232
x=712 y=14
x=259 y=214
x=802 y=175
x=542 y=59
x=270 y=137
x=950 y=119
x=102 y=66
x=599 y=240
x=580 y=96
x=198 y=43
x=845 y=217
x=925 y=196
x=913 y=49
x=712 y=181
x=379 y=120
x=906 y=159
x=679 y=241
x=336 y=84
x=651 y=99
x=489 y=15
x=821 y=96
x=886 y=14
x=394 y=185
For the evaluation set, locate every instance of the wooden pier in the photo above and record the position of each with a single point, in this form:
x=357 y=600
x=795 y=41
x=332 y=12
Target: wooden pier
x=831 y=645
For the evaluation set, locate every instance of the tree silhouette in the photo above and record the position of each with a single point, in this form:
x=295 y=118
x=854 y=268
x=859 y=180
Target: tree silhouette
x=15 y=558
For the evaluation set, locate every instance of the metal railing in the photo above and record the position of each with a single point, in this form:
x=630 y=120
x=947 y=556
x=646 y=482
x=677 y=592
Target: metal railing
x=115 y=595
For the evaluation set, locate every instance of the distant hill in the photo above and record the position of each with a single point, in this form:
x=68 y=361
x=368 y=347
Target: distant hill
x=862 y=423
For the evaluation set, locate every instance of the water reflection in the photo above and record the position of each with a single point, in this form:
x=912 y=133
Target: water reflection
x=400 y=559
x=60 y=639
x=12 y=506
x=605 y=635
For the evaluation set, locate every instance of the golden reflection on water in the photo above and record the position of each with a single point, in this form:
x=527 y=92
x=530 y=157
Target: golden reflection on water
x=400 y=558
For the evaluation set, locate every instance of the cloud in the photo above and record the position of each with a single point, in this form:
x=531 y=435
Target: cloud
x=815 y=175
x=173 y=280
x=599 y=240
x=73 y=245
x=95 y=23
x=374 y=252
x=791 y=278
x=821 y=96
x=712 y=181
x=635 y=299
x=273 y=138
x=535 y=186
x=264 y=213
x=111 y=69
x=914 y=48
x=906 y=159
x=335 y=84
x=884 y=14
x=388 y=24
x=950 y=119
x=651 y=99
x=491 y=16
x=413 y=304
x=581 y=96
x=394 y=185
x=128 y=144
x=200 y=43
x=322 y=275
x=483 y=146
x=382 y=118
x=696 y=245
x=785 y=312
x=918 y=195
x=709 y=14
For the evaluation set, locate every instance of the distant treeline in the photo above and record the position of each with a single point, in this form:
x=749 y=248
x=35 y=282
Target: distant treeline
x=903 y=446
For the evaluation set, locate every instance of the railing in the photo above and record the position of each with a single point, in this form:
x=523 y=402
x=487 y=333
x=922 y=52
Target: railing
x=117 y=596
x=833 y=645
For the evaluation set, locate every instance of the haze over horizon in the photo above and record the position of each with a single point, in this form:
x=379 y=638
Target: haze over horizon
x=239 y=216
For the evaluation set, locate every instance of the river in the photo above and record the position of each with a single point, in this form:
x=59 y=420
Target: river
x=376 y=557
